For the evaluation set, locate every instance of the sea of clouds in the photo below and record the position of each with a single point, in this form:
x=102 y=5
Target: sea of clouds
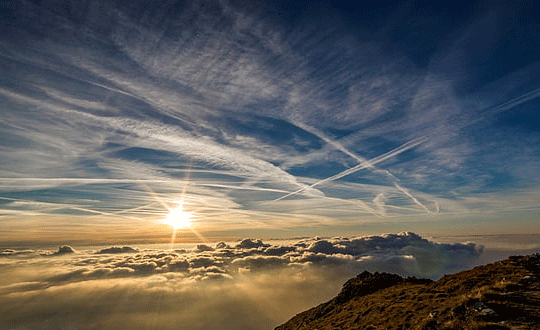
x=248 y=284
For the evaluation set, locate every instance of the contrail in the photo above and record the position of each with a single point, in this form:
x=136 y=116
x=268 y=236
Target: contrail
x=490 y=111
x=406 y=192
x=517 y=101
x=379 y=203
x=335 y=144
x=341 y=148
x=372 y=162
x=365 y=164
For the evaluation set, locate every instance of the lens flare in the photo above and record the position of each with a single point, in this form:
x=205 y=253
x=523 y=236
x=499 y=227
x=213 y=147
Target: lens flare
x=178 y=218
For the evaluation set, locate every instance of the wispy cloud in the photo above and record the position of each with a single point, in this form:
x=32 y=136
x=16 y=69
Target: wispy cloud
x=107 y=116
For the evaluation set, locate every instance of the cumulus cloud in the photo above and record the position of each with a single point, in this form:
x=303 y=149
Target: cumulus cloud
x=250 y=244
x=266 y=281
x=404 y=253
x=203 y=247
x=62 y=250
x=12 y=252
x=116 y=249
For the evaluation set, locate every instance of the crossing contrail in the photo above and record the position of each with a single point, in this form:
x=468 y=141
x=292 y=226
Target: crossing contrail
x=363 y=165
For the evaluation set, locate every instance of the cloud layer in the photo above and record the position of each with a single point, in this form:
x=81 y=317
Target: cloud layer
x=195 y=288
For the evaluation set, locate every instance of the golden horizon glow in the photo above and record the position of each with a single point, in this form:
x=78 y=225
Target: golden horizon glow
x=178 y=218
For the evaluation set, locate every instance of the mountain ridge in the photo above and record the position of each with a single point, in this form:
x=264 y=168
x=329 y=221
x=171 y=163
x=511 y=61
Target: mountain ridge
x=503 y=295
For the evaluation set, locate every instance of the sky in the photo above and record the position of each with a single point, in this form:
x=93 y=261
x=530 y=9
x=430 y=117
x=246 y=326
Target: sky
x=266 y=119
x=228 y=164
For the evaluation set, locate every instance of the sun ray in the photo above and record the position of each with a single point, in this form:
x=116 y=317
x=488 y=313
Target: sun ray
x=178 y=218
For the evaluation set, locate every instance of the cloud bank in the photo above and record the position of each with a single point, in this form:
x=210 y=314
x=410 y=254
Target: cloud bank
x=195 y=288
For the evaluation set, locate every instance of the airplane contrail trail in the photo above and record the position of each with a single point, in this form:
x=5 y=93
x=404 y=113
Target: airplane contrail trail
x=490 y=111
x=323 y=137
x=517 y=101
x=341 y=148
x=365 y=164
x=406 y=192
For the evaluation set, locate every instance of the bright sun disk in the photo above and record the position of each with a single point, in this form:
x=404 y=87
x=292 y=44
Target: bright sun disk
x=178 y=218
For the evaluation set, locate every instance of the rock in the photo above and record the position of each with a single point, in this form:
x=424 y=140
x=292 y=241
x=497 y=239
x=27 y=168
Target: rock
x=367 y=283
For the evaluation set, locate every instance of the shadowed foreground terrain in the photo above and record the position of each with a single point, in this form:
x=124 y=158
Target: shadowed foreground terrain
x=501 y=295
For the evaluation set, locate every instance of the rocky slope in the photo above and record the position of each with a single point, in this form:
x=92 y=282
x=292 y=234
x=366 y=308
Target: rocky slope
x=501 y=295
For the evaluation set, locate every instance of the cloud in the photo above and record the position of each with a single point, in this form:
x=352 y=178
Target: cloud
x=161 y=303
x=62 y=250
x=371 y=252
x=266 y=282
x=248 y=243
x=116 y=249
x=12 y=252
x=203 y=248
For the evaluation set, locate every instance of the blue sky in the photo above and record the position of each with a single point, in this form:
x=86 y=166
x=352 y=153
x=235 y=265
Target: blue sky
x=274 y=120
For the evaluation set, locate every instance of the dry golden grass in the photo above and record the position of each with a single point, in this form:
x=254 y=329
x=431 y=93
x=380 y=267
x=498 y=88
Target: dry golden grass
x=504 y=295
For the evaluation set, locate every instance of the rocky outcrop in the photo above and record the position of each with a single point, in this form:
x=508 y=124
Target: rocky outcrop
x=367 y=283
x=504 y=295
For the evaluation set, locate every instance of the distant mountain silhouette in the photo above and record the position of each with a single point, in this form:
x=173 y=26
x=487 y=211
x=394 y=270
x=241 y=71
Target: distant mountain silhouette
x=504 y=295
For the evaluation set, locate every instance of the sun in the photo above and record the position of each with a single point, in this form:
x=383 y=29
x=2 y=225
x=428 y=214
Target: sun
x=178 y=218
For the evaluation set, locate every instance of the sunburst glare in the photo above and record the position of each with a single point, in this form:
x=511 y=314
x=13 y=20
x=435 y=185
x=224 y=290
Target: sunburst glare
x=178 y=218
